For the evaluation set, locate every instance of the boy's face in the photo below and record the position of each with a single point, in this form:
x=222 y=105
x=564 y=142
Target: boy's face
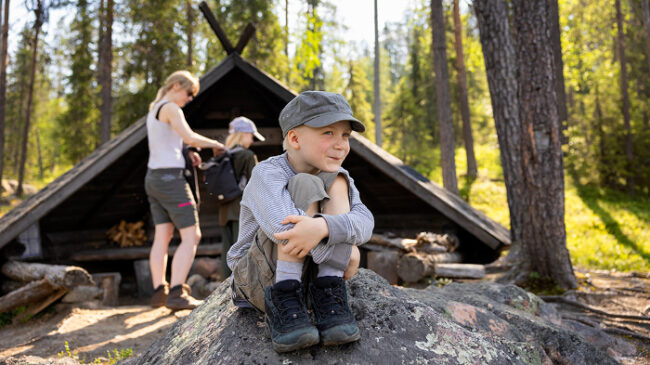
x=323 y=149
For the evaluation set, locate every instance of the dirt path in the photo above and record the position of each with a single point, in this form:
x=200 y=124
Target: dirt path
x=91 y=332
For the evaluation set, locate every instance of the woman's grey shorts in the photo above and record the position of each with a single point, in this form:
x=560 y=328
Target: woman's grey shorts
x=170 y=198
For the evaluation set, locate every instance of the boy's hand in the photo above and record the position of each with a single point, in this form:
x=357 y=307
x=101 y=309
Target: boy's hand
x=305 y=234
x=353 y=265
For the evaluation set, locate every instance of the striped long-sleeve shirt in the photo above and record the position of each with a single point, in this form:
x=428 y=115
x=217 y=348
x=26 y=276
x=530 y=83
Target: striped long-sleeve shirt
x=266 y=202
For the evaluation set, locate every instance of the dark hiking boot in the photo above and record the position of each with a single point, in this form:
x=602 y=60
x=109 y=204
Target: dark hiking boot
x=334 y=318
x=179 y=298
x=160 y=295
x=286 y=317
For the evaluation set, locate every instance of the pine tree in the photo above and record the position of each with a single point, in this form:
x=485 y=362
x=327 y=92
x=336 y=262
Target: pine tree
x=78 y=125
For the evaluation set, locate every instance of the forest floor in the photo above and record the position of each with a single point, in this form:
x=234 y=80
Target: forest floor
x=92 y=331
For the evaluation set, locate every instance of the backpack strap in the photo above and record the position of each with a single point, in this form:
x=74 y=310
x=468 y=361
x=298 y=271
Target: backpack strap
x=160 y=107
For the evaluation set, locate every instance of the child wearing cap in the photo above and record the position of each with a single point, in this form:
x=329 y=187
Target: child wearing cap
x=241 y=133
x=301 y=220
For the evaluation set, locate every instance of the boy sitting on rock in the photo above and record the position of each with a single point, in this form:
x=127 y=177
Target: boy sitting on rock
x=301 y=216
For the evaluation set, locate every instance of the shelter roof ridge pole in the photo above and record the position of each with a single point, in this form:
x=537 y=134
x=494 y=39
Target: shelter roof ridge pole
x=214 y=24
x=245 y=37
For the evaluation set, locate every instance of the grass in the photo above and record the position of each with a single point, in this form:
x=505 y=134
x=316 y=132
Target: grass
x=113 y=357
x=606 y=229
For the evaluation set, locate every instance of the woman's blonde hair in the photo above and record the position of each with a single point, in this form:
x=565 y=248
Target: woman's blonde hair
x=234 y=139
x=184 y=78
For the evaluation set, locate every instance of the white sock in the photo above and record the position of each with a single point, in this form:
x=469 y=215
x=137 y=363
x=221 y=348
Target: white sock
x=327 y=270
x=286 y=270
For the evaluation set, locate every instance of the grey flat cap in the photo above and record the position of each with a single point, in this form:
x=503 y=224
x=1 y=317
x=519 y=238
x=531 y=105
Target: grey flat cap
x=317 y=109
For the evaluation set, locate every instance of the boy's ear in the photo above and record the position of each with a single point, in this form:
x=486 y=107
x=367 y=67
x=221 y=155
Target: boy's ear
x=292 y=138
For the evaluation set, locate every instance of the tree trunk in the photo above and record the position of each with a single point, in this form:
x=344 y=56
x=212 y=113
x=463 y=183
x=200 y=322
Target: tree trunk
x=39 y=12
x=105 y=69
x=443 y=101
x=646 y=26
x=629 y=177
x=58 y=275
x=190 y=29
x=501 y=70
x=543 y=232
x=462 y=94
x=378 y=139
x=286 y=40
x=40 y=155
x=558 y=66
x=3 y=83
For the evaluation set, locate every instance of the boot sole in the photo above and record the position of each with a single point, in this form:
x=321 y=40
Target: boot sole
x=335 y=337
x=304 y=341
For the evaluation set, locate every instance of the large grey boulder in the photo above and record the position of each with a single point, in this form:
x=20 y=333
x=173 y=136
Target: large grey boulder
x=483 y=323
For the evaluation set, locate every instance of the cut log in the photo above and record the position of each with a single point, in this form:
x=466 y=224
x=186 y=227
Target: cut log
x=57 y=275
x=35 y=308
x=397 y=242
x=110 y=284
x=471 y=271
x=32 y=292
x=128 y=234
x=385 y=264
x=143 y=278
x=434 y=243
x=414 y=266
x=82 y=293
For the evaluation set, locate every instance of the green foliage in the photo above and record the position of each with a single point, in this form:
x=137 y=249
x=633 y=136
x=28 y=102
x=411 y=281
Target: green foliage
x=357 y=94
x=113 y=357
x=78 y=125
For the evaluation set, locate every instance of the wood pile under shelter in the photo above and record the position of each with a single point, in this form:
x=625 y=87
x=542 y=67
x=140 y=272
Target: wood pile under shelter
x=67 y=221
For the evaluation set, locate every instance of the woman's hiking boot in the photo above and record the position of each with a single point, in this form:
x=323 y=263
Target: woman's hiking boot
x=160 y=295
x=179 y=298
x=334 y=317
x=287 y=318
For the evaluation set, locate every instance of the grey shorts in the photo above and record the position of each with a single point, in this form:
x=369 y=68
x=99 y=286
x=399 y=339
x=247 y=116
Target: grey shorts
x=256 y=269
x=170 y=198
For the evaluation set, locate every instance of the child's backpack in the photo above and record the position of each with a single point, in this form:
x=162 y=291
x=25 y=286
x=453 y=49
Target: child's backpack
x=219 y=178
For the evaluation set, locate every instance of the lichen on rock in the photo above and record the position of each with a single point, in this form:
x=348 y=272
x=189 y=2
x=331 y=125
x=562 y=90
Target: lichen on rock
x=484 y=323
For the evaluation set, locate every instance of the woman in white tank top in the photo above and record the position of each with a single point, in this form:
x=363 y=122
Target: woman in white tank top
x=171 y=201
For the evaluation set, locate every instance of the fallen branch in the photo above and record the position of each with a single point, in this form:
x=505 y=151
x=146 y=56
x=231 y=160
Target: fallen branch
x=622 y=332
x=560 y=299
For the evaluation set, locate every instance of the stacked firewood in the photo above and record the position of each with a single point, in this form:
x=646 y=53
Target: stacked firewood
x=128 y=234
x=36 y=286
x=411 y=260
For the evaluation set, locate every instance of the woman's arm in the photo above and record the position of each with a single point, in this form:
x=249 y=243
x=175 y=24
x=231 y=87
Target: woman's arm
x=173 y=114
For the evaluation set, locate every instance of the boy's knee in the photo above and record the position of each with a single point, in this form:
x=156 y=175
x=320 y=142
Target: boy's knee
x=339 y=187
x=306 y=189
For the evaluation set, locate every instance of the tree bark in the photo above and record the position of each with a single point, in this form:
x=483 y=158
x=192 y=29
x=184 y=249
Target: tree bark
x=378 y=139
x=443 y=101
x=558 y=66
x=58 y=275
x=190 y=29
x=38 y=22
x=629 y=178
x=40 y=156
x=29 y=293
x=543 y=232
x=472 y=170
x=501 y=69
x=105 y=69
x=3 y=83
x=414 y=266
x=646 y=25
